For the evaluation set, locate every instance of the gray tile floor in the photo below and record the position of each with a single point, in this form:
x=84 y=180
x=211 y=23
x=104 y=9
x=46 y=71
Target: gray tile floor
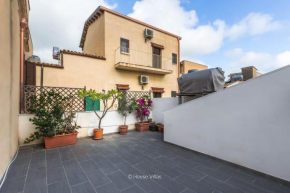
x=136 y=162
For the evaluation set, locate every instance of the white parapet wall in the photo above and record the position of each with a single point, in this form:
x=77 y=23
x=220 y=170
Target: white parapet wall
x=87 y=120
x=160 y=105
x=247 y=124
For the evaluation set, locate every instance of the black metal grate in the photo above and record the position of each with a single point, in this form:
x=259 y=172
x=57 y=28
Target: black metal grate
x=30 y=90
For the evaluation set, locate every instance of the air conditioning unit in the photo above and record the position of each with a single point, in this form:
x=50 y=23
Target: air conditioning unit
x=143 y=79
x=55 y=53
x=148 y=33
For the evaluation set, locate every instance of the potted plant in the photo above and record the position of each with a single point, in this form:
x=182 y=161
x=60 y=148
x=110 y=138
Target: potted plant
x=54 y=120
x=108 y=101
x=125 y=108
x=160 y=127
x=143 y=106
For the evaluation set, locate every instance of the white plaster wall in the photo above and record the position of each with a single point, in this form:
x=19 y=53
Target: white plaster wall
x=87 y=120
x=160 y=105
x=247 y=124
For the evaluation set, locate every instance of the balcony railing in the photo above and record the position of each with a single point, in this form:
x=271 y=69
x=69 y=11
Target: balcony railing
x=142 y=61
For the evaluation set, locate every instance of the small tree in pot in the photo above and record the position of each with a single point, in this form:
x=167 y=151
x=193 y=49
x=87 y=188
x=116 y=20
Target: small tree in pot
x=108 y=101
x=125 y=108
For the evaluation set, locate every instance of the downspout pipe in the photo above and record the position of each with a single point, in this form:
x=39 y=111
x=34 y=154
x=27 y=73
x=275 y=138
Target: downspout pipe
x=23 y=26
x=178 y=63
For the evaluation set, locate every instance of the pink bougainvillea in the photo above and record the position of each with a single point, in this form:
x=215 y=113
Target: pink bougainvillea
x=143 y=107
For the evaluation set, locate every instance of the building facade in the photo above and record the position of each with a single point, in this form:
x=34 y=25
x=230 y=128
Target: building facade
x=118 y=54
x=14 y=44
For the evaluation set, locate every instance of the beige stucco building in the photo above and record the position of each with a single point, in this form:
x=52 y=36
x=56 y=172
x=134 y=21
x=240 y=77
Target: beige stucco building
x=115 y=54
x=186 y=65
x=11 y=13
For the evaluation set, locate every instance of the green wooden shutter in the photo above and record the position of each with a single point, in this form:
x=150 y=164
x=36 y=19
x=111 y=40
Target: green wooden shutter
x=89 y=107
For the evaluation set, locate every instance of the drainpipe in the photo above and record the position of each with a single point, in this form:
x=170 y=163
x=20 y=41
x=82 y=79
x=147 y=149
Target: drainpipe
x=178 y=63
x=23 y=26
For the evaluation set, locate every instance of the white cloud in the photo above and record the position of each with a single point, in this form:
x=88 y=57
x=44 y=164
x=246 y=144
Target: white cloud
x=264 y=62
x=198 y=39
x=59 y=23
x=170 y=16
x=283 y=59
x=253 y=24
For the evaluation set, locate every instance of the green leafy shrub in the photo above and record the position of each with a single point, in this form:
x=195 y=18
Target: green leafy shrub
x=125 y=108
x=50 y=117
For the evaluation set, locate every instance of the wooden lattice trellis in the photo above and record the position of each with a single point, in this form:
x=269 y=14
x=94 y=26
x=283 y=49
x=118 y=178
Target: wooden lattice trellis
x=30 y=90
x=129 y=95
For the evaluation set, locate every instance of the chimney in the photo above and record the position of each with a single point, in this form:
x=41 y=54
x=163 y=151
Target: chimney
x=249 y=72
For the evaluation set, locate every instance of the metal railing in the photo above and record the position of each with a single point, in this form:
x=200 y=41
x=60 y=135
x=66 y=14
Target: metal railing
x=136 y=57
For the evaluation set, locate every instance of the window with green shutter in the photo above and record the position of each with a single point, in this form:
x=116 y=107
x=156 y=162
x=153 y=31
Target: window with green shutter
x=90 y=101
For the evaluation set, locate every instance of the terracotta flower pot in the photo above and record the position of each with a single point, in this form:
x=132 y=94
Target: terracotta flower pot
x=160 y=128
x=143 y=126
x=123 y=129
x=60 y=140
x=98 y=134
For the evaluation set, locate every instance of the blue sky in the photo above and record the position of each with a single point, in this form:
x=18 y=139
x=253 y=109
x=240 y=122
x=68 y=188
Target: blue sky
x=224 y=33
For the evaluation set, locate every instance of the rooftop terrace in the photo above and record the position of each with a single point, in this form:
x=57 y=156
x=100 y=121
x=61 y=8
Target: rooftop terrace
x=136 y=162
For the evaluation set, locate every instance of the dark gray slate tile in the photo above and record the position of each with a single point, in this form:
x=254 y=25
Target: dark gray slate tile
x=54 y=163
x=188 y=191
x=114 y=159
x=91 y=151
x=190 y=172
x=128 y=169
x=36 y=181
x=167 y=170
x=71 y=165
x=273 y=187
x=149 y=160
x=133 y=189
x=38 y=155
x=186 y=162
x=14 y=185
x=52 y=155
x=67 y=156
x=219 y=185
x=85 y=187
x=146 y=169
x=193 y=184
x=83 y=157
x=76 y=176
x=105 y=151
x=55 y=175
x=130 y=159
x=37 y=162
x=108 y=188
x=213 y=173
x=36 y=174
x=151 y=153
x=120 y=180
x=167 y=161
x=107 y=167
x=89 y=165
x=22 y=160
x=59 y=187
x=17 y=171
x=170 y=185
x=246 y=186
x=148 y=185
x=99 y=158
x=237 y=174
x=97 y=178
